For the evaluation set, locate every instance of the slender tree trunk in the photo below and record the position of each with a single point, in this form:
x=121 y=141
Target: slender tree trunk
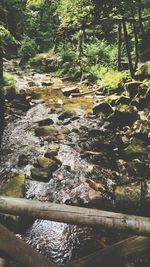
x=18 y=250
x=1 y=63
x=76 y=215
x=140 y=18
x=2 y=102
x=128 y=48
x=136 y=46
x=119 y=44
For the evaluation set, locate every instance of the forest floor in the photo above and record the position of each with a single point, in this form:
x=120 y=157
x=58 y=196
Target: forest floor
x=67 y=142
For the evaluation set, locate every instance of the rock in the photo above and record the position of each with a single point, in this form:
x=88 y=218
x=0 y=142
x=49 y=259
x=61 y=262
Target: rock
x=124 y=115
x=144 y=71
x=128 y=196
x=52 y=151
x=136 y=147
x=9 y=92
x=19 y=105
x=70 y=90
x=133 y=88
x=40 y=174
x=15 y=186
x=47 y=163
x=52 y=133
x=124 y=100
x=46 y=131
x=102 y=107
x=45 y=122
x=47 y=83
x=23 y=160
x=31 y=83
x=66 y=114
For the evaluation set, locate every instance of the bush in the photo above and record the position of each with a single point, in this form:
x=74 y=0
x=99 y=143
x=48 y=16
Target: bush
x=112 y=79
x=9 y=79
x=27 y=50
x=67 y=52
x=100 y=52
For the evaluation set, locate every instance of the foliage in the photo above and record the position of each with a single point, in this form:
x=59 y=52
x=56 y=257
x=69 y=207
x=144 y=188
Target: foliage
x=9 y=79
x=112 y=79
x=28 y=48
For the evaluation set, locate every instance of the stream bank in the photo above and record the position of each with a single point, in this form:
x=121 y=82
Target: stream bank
x=71 y=150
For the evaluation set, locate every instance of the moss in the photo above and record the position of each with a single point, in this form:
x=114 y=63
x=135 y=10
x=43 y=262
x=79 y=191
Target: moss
x=14 y=187
x=9 y=79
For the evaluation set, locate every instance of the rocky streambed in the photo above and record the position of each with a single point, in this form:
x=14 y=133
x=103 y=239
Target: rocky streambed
x=68 y=143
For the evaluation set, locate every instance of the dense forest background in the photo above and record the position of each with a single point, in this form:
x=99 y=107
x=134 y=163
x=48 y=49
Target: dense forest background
x=84 y=34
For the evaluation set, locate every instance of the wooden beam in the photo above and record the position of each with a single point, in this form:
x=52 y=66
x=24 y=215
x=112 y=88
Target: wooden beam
x=75 y=215
x=21 y=252
x=2 y=263
x=115 y=255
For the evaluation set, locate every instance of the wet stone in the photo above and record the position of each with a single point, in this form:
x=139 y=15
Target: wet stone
x=103 y=107
x=47 y=163
x=133 y=88
x=71 y=90
x=123 y=116
x=52 y=151
x=66 y=115
x=40 y=174
x=45 y=122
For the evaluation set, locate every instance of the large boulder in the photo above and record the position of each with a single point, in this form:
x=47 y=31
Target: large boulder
x=144 y=71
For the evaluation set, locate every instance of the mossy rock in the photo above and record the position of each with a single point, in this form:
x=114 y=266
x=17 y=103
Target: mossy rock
x=144 y=71
x=136 y=147
x=15 y=187
x=128 y=196
x=47 y=163
x=41 y=175
x=46 y=131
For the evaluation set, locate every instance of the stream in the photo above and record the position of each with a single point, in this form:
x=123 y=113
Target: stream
x=75 y=132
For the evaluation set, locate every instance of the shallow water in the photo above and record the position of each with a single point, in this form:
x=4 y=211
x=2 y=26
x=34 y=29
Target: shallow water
x=57 y=241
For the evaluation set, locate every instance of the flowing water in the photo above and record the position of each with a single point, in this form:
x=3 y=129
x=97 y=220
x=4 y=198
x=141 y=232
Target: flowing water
x=57 y=241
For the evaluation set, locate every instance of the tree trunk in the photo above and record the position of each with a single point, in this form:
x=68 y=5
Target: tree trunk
x=1 y=63
x=128 y=48
x=2 y=102
x=116 y=255
x=19 y=251
x=119 y=44
x=136 y=46
x=76 y=215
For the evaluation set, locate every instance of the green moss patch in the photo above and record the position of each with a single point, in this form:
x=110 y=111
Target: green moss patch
x=14 y=187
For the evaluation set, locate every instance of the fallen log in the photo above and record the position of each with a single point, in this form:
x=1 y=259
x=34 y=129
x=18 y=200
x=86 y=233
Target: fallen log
x=117 y=254
x=2 y=262
x=75 y=215
x=19 y=251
